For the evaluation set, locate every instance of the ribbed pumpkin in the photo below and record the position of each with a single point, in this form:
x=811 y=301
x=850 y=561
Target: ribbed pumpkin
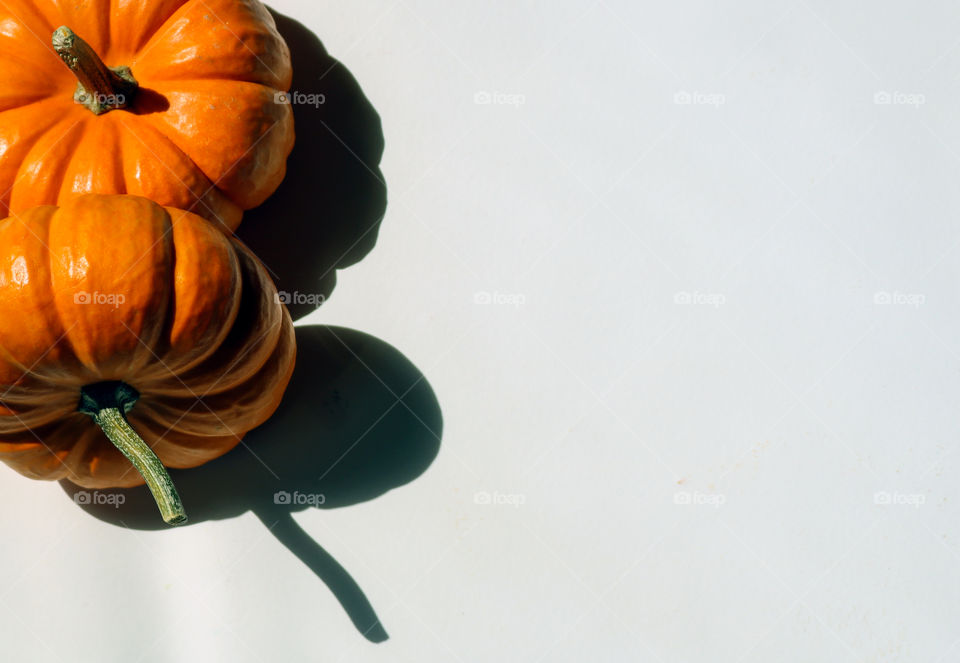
x=122 y=315
x=194 y=92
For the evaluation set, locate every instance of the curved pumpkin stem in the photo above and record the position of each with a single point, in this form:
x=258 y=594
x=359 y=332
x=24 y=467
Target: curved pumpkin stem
x=100 y=88
x=108 y=403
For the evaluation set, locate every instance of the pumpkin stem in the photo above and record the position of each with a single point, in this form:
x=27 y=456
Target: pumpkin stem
x=108 y=403
x=100 y=88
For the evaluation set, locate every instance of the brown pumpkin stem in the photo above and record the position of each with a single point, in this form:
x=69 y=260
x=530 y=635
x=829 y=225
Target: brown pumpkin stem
x=99 y=87
x=108 y=403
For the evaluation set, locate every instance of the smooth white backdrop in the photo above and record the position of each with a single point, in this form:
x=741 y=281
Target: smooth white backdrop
x=683 y=277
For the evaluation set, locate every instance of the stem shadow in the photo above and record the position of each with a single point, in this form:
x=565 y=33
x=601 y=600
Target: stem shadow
x=357 y=420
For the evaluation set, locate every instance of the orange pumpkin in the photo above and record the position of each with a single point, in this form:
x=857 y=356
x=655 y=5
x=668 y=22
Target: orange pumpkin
x=120 y=314
x=197 y=119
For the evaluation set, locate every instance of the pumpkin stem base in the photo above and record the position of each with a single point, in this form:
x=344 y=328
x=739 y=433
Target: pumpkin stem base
x=107 y=403
x=99 y=88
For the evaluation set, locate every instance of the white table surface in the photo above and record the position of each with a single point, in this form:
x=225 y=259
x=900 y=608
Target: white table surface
x=685 y=289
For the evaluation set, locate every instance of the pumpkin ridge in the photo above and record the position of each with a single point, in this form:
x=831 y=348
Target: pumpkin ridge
x=254 y=330
x=118 y=155
x=64 y=335
x=52 y=173
x=165 y=358
x=161 y=122
x=161 y=343
x=244 y=395
x=79 y=453
x=139 y=255
x=41 y=441
x=94 y=25
x=32 y=225
x=244 y=15
x=155 y=424
x=104 y=22
x=149 y=347
x=195 y=198
x=159 y=420
x=161 y=31
x=34 y=418
x=28 y=143
x=149 y=24
x=39 y=100
x=212 y=78
x=179 y=450
x=224 y=364
x=7 y=357
x=31 y=17
x=63 y=342
x=94 y=135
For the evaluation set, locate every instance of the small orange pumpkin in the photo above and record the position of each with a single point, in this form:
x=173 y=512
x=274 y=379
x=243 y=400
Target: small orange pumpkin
x=198 y=120
x=122 y=315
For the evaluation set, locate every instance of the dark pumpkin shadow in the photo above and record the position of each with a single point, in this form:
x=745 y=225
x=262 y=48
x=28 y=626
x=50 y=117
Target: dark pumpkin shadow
x=327 y=212
x=149 y=101
x=358 y=419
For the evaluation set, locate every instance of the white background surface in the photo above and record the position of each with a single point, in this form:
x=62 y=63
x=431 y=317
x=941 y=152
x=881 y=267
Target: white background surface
x=699 y=321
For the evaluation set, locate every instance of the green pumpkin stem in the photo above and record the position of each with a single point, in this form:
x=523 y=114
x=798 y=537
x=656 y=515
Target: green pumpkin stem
x=100 y=88
x=108 y=403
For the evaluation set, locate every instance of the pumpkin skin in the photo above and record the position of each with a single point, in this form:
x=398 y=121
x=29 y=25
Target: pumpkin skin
x=204 y=133
x=118 y=288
